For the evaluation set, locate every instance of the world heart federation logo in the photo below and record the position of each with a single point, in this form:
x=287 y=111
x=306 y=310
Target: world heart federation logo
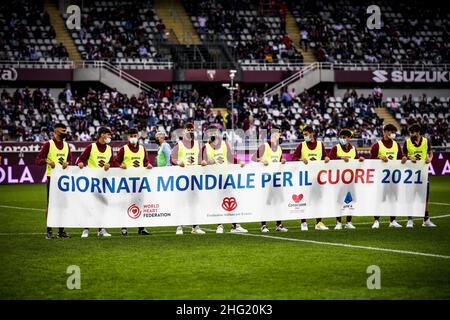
x=134 y=212
x=297 y=198
x=229 y=203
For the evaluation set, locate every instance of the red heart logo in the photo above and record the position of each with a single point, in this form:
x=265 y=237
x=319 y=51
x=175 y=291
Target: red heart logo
x=297 y=198
x=229 y=204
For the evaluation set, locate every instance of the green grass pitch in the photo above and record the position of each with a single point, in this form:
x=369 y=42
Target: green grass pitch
x=227 y=266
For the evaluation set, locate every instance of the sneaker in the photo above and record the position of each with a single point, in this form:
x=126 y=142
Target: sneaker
x=49 y=235
x=410 y=223
x=349 y=225
x=394 y=224
x=124 y=231
x=103 y=233
x=321 y=226
x=428 y=224
x=63 y=235
x=197 y=230
x=281 y=228
x=376 y=224
x=219 y=229
x=304 y=226
x=338 y=226
x=238 y=229
x=179 y=230
x=264 y=228
x=85 y=233
x=143 y=232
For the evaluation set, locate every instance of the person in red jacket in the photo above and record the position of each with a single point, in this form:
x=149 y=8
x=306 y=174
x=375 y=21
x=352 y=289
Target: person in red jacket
x=54 y=153
x=311 y=150
x=344 y=151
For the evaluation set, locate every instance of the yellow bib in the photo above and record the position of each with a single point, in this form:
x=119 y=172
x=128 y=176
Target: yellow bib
x=390 y=153
x=189 y=156
x=341 y=153
x=270 y=155
x=133 y=159
x=419 y=152
x=315 y=154
x=220 y=155
x=56 y=155
x=98 y=159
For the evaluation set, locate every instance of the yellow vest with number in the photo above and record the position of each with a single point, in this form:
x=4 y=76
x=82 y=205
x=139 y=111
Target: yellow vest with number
x=270 y=155
x=341 y=153
x=220 y=155
x=98 y=159
x=56 y=155
x=390 y=153
x=133 y=159
x=189 y=156
x=419 y=152
x=315 y=154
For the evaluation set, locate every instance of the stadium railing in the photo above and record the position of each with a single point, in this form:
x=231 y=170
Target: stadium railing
x=118 y=72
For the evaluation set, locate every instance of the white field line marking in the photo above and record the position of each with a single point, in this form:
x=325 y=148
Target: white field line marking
x=440 y=203
x=21 y=208
x=345 y=245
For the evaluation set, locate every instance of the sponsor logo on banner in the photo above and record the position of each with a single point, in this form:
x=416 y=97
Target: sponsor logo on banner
x=348 y=202
x=153 y=210
x=297 y=206
x=134 y=212
x=229 y=203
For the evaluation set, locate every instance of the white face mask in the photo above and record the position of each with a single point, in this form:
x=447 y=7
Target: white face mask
x=107 y=140
x=392 y=136
x=133 y=140
x=343 y=142
x=307 y=138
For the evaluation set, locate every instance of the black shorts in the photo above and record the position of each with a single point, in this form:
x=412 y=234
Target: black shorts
x=48 y=188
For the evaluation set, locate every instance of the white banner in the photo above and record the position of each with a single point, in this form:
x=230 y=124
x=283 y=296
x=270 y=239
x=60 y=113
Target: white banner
x=171 y=196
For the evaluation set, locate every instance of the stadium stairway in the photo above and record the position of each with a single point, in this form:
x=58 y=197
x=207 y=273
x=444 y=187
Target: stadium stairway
x=293 y=32
x=175 y=17
x=62 y=34
x=384 y=114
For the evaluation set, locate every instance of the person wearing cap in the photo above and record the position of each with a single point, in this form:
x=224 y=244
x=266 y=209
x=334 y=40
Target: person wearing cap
x=269 y=152
x=133 y=155
x=310 y=150
x=387 y=149
x=418 y=148
x=218 y=152
x=187 y=152
x=97 y=155
x=344 y=151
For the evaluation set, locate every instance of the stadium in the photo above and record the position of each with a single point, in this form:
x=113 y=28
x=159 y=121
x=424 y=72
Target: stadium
x=98 y=95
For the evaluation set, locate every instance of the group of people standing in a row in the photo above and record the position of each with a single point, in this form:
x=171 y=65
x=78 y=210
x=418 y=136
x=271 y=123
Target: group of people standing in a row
x=188 y=151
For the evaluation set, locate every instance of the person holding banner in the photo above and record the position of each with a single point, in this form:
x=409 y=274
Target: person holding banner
x=133 y=155
x=55 y=152
x=418 y=148
x=218 y=152
x=387 y=149
x=268 y=152
x=344 y=151
x=310 y=150
x=187 y=153
x=97 y=155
